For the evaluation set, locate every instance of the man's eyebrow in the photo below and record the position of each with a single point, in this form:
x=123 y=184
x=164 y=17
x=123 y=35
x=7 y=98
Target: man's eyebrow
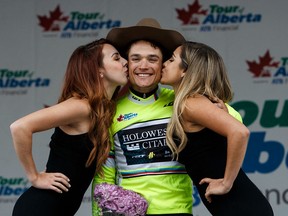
x=149 y=55
x=153 y=55
x=134 y=55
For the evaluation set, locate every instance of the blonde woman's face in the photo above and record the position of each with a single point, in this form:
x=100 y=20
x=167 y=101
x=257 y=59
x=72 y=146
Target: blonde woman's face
x=172 y=73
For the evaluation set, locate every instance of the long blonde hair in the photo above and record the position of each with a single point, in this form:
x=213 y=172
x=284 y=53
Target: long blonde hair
x=205 y=74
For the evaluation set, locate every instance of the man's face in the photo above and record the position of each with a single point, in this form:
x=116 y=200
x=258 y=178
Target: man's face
x=145 y=65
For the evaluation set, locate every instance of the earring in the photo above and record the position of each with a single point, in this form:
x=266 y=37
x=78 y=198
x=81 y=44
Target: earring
x=101 y=75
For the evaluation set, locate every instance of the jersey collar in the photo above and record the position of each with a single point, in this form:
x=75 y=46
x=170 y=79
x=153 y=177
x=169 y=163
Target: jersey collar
x=149 y=100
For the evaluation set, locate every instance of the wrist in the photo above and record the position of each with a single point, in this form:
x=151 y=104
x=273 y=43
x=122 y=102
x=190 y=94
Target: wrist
x=227 y=185
x=32 y=177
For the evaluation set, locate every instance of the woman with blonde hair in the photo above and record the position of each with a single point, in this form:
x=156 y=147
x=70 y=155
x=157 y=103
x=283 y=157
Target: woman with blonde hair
x=210 y=142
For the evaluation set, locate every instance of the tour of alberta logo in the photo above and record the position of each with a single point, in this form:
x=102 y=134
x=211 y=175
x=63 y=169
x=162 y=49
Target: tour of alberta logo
x=267 y=70
x=17 y=82
x=214 y=17
x=11 y=188
x=127 y=116
x=74 y=24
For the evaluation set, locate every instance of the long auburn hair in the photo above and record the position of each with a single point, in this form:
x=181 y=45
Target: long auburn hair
x=205 y=74
x=83 y=81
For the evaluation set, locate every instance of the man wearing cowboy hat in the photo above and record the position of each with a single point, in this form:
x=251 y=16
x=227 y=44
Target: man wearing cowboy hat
x=140 y=160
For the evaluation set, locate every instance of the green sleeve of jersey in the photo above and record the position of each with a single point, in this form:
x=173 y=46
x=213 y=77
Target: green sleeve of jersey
x=234 y=113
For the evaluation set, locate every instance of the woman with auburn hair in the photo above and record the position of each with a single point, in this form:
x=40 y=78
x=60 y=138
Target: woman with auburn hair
x=210 y=142
x=80 y=143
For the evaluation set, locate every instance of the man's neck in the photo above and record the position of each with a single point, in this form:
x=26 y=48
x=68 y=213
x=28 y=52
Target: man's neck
x=143 y=95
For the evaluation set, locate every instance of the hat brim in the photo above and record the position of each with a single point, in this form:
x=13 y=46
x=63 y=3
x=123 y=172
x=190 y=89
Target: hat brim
x=121 y=38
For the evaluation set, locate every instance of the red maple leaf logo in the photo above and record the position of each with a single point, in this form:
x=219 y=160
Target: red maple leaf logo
x=258 y=69
x=188 y=17
x=48 y=22
x=120 y=118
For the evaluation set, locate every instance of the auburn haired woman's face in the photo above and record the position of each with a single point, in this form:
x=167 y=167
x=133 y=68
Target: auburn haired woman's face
x=172 y=73
x=114 y=69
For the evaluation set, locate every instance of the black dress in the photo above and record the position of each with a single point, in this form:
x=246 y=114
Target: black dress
x=68 y=155
x=205 y=156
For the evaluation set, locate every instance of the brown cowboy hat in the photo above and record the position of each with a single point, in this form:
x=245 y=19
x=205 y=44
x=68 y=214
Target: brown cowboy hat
x=146 y=29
